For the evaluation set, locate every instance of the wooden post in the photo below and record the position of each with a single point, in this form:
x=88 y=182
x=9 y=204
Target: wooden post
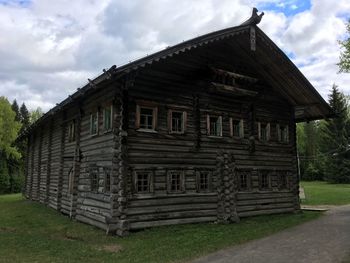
x=76 y=166
x=227 y=184
x=120 y=162
x=294 y=174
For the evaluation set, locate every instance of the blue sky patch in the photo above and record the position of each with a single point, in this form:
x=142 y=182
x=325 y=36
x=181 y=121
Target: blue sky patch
x=289 y=8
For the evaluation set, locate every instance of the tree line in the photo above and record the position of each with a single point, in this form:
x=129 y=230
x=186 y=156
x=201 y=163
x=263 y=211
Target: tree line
x=14 y=120
x=324 y=145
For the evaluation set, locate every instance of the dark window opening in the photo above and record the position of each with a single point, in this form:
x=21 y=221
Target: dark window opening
x=94 y=123
x=142 y=182
x=264 y=180
x=94 y=179
x=215 y=126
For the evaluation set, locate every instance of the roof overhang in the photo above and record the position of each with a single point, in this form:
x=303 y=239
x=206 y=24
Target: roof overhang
x=267 y=59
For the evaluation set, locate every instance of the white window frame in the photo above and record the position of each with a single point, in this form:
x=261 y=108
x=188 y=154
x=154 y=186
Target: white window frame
x=154 y=117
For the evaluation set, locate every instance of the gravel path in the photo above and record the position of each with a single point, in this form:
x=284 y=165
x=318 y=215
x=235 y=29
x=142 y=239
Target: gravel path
x=324 y=240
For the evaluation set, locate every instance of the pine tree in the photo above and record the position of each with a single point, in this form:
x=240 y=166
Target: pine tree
x=25 y=117
x=15 y=108
x=335 y=141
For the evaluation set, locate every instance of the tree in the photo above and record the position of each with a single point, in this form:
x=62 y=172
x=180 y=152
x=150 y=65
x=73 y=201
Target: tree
x=9 y=154
x=36 y=115
x=25 y=117
x=344 y=64
x=311 y=161
x=8 y=129
x=15 y=108
x=335 y=139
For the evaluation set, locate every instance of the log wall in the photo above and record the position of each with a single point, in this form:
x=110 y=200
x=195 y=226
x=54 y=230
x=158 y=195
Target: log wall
x=124 y=150
x=160 y=152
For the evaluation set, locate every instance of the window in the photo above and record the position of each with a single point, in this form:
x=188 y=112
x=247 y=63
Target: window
x=70 y=180
x=175 y=181
x=237 y=129
x=146 y=118
x=244 y=180
x=94 y=123
x=107 y=118
x=177 y=121
x=264 y=131
x=143 y=182
x=264 y=180
x=214 y=125
x=94 y=179
x=107 y=180
x=282 y=133
x=71 y=131
x=203 y=181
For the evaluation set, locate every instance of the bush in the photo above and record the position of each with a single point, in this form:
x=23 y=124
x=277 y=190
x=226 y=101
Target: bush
x=312 y=173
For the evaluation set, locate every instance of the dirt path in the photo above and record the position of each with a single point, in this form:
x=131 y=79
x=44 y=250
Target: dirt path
x=325 y=240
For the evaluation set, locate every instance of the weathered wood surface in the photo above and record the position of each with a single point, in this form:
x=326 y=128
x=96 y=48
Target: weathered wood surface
x=182 y=84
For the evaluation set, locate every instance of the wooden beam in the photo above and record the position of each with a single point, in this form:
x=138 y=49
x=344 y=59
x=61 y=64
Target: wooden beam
x=232 y=90
x=234 y=75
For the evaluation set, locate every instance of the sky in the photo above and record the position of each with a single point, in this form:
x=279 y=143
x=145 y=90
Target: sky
x=48 y=48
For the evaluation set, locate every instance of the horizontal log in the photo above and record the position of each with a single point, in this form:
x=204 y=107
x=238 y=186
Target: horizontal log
x=140 y=225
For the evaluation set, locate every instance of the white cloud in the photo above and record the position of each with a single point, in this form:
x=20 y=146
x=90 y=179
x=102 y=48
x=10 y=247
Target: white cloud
x=50 y=50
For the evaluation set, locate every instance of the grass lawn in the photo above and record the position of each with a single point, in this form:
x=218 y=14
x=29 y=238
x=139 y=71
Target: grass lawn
x=322 y=193
x=30 y=232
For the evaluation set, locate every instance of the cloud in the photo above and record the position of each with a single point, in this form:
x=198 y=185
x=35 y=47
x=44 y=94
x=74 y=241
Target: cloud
x=50 y=50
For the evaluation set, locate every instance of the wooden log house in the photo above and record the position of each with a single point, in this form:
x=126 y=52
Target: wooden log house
x=201 y=131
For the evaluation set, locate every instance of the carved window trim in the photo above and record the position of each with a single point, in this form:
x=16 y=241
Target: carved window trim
x=218 y=131
x=142 y=175
x=175 y=181
x=94 y=179
x=246 y=175
x=282 y=133
x=264 y=131
x=233 y=128
x=71 y=131
x=183 y=121
x=94 y=121
x=147 y=106
x=108 y=120
x=199 y=181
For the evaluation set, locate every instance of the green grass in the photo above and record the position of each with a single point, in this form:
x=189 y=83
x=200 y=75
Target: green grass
x=322 y=193
x=30 y=232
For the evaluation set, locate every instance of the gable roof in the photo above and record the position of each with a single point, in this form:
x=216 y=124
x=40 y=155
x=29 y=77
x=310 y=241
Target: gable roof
x=268 y=58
